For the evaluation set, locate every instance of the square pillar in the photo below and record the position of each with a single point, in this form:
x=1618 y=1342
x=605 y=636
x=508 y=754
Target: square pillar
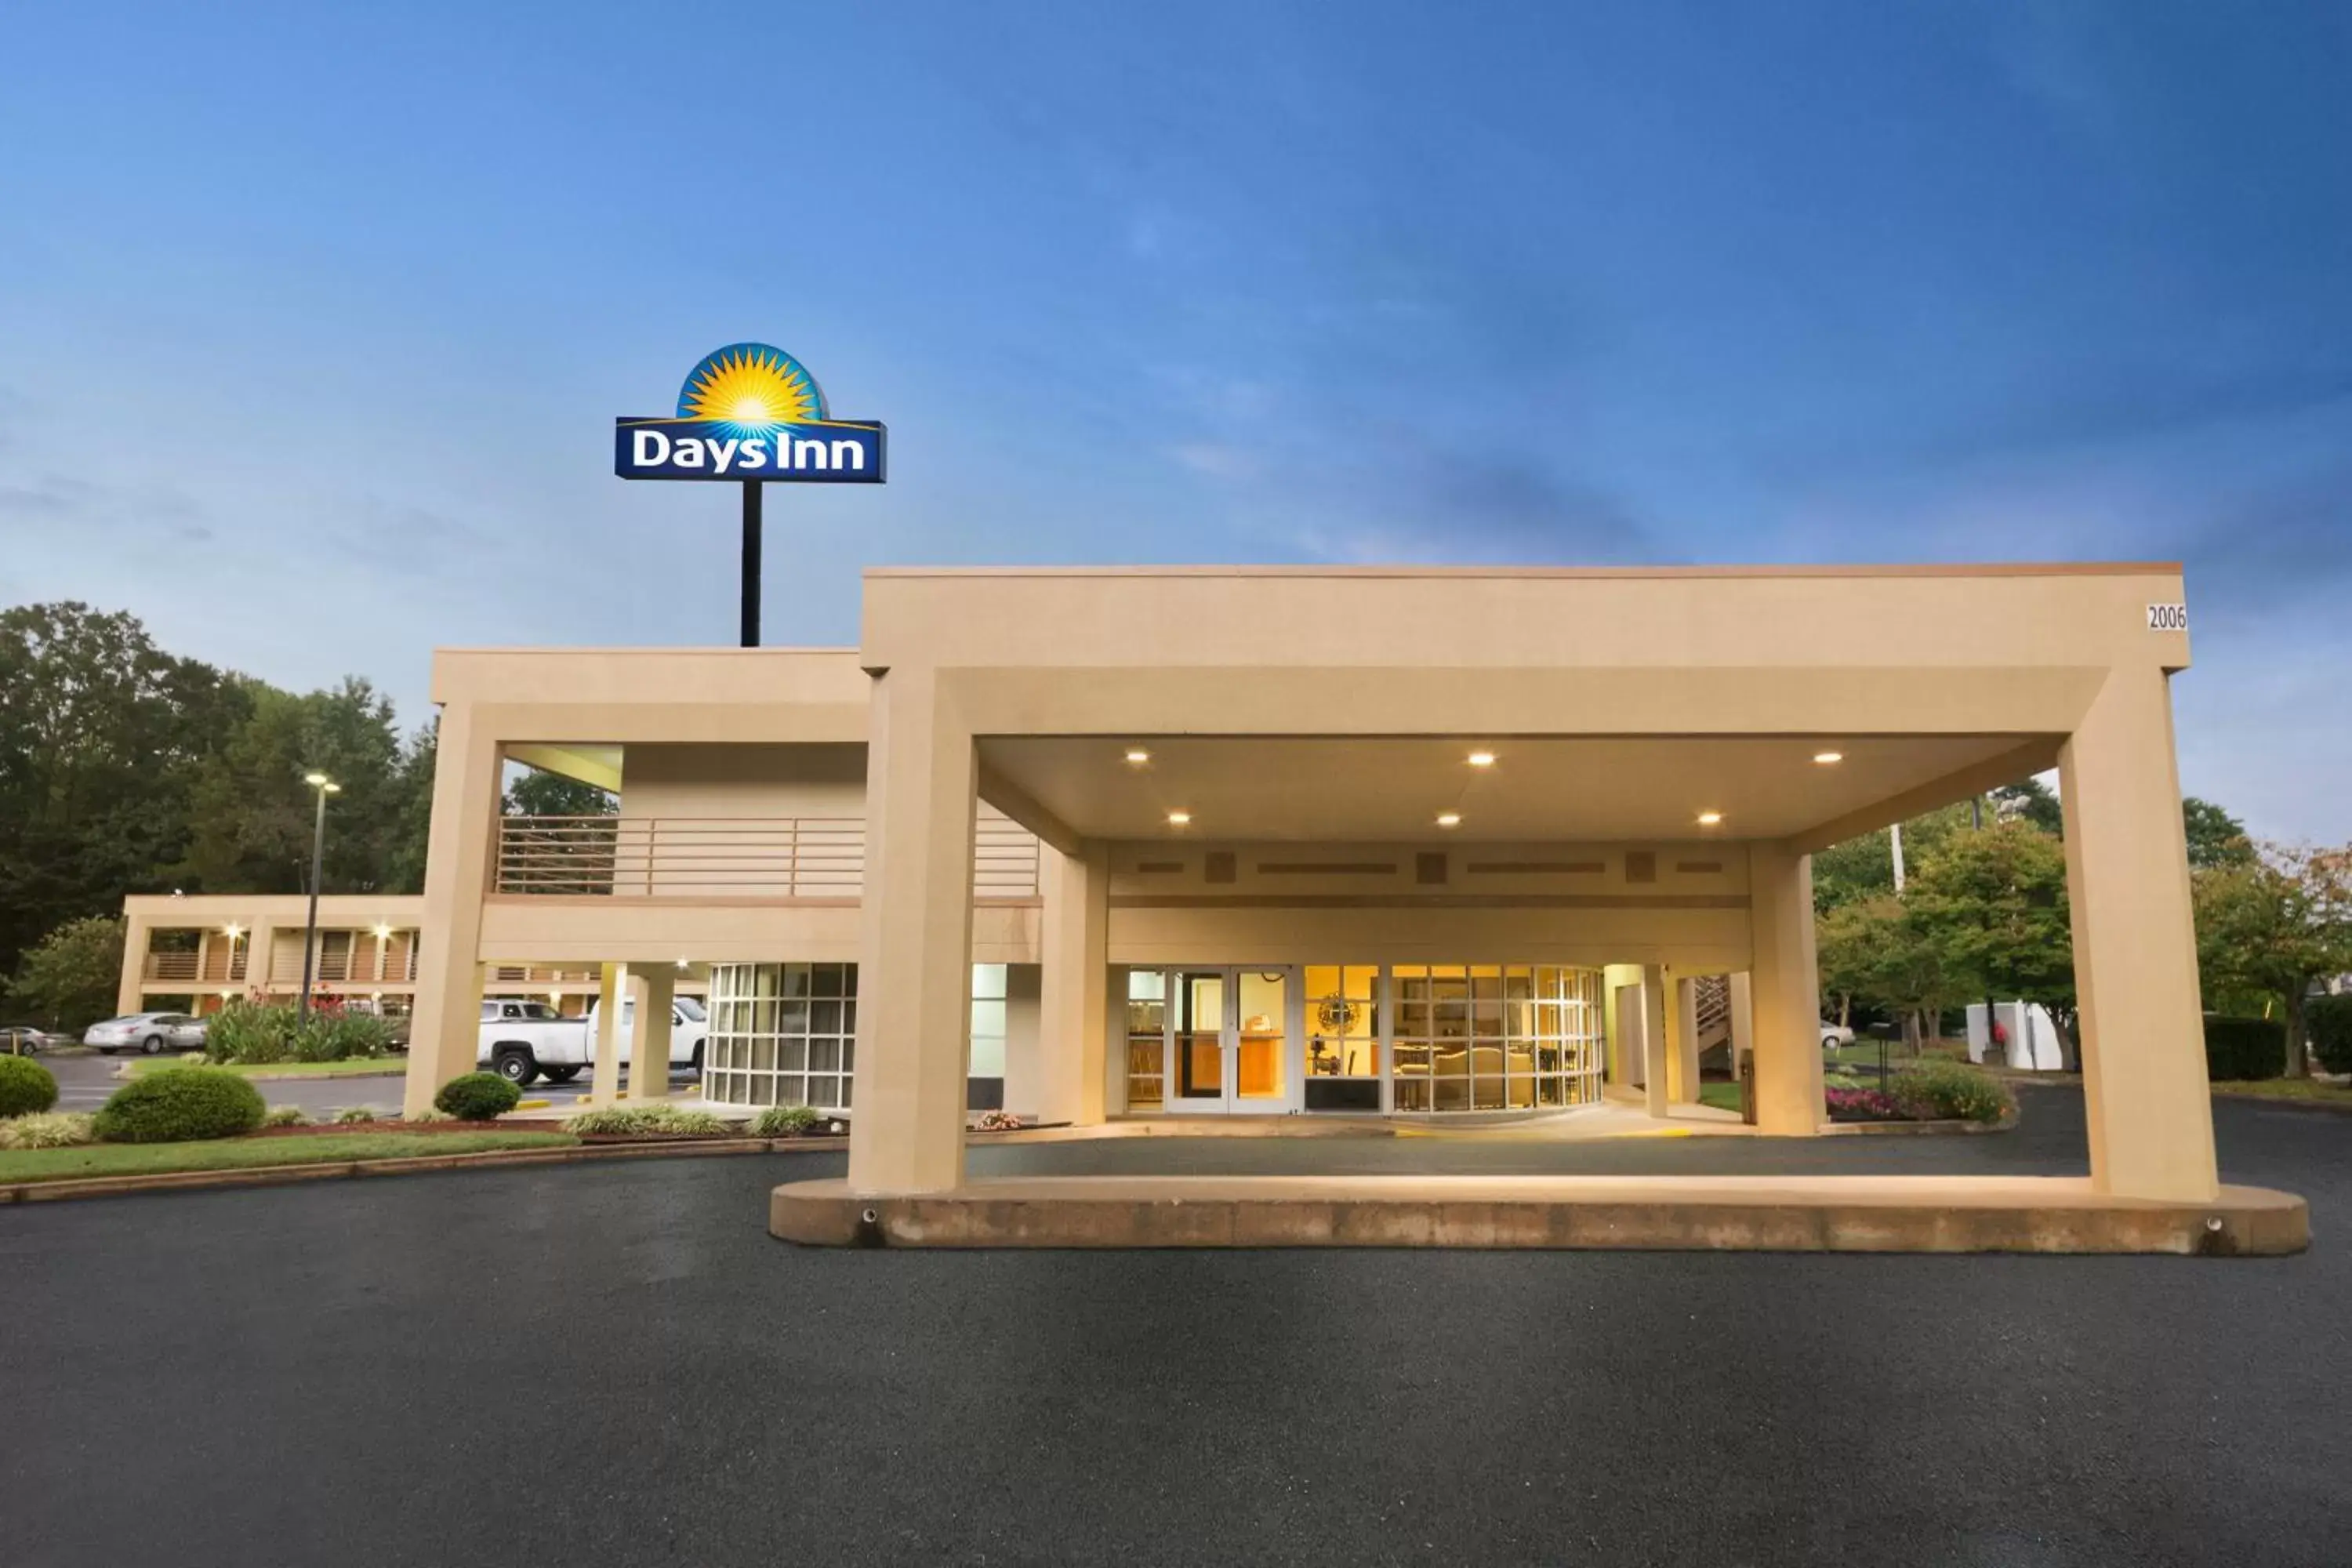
x=136 y=934
x=2144 y=1086
x=1743 y=1020
x=652 y=990
x=259 y=943
x=612 y=985
x=1785 y=992
x=914 y=972
x=1681 y=1038
x=1655 y=1087
x=1072 y=1052
x=444 y=1028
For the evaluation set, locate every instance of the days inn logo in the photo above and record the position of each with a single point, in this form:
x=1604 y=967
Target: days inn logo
x=751 y=413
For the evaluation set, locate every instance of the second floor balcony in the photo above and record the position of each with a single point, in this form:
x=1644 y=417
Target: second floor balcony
x=784 y=858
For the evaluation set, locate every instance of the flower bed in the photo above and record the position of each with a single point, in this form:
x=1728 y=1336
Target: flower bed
x=1862 y=1105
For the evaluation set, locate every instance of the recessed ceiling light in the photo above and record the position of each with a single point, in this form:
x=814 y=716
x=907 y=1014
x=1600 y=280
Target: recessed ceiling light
x=1179 y=818
x=1137 y=755
x=1482 y=759
x=1826 y=758
x=1709 y=818
x=1449 y=819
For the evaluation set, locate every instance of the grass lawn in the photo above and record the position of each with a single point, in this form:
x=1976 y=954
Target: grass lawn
x=1722 y=1096
x=231 y=1153
x=355 y=1067
x=2304 y=1090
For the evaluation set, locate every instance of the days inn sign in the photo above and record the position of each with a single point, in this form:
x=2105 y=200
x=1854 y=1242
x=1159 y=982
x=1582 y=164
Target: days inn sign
x=751 y=414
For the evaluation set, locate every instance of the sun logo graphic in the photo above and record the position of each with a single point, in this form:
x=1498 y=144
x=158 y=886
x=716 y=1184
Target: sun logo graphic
x=751 y=413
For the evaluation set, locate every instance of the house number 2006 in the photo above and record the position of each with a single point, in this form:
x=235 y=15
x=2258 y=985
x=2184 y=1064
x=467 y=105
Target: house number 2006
x=2168 y=617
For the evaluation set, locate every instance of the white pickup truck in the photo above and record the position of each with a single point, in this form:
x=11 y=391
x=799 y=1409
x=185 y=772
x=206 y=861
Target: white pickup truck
x=525 y=1041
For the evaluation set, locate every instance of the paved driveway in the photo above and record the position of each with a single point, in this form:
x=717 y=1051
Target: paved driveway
x=614 y=1364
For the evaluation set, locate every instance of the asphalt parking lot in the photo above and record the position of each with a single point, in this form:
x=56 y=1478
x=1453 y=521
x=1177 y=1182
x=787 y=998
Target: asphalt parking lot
x=85 y=1082
x=615 y=1364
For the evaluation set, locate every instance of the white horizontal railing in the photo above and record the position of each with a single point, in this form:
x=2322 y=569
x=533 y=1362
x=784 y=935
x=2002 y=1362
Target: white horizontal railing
x=715 y=857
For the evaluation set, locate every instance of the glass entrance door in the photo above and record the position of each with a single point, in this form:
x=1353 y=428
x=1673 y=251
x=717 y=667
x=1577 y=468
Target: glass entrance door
x=1261 y=1073
x=1198 y=1032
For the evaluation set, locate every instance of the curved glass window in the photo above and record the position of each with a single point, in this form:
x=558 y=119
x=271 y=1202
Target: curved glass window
x=782 y=1034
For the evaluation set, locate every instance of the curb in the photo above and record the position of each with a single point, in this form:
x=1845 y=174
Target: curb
x=1914 y=1129
x=330 y=1170
x=2324 y=1107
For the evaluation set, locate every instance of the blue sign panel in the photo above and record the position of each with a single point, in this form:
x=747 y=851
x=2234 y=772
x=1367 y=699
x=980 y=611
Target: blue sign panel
x=751 y=412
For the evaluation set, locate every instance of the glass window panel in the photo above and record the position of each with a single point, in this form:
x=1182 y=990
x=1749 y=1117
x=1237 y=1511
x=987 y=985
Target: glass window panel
x=825 y=1056
x=988 y=1020
x=790 y=1089
x=988 y=979
x=829 y=980
x=824 y=1018
x=792 y=1053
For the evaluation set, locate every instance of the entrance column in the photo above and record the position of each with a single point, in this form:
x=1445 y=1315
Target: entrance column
x=612 y=987
x=1681 y=1038
x=654 y=991
x=1785 y=989
x=127 y=985
x=1072 y=1055
x=445 y=1027
x=1655 y=1087
x=2143 y=1086
x=914 y=972
x=1743 y=1020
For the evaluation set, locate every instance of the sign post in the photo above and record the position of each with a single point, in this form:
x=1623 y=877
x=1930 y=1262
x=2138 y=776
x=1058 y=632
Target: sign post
x=754 y=415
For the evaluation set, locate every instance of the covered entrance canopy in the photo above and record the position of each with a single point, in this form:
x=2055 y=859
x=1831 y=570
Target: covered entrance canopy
x=1296 y=767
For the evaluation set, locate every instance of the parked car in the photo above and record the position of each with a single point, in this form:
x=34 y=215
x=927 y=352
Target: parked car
x=153 y=1033
x=525 y=1041
x=1835 y=1035
x=24 y=1040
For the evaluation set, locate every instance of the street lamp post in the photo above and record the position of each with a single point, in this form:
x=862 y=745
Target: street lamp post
x=325 y=787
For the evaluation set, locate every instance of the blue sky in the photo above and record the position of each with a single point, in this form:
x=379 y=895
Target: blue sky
x=313 y=318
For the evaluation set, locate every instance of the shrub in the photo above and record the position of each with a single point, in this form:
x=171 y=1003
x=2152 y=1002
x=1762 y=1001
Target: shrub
x=1000 y=1121
x=784 y=1122
x=287 y=1115
x=180 y=1104
x=1951 y=1091
x=478 y=1097
x=430 y=1113
x=26 y=1087
x=2240 y=1048
x=648 y=1121
x=351 y=1114
x=248 y=1031
x=47 y=1130
x=2329 y=1021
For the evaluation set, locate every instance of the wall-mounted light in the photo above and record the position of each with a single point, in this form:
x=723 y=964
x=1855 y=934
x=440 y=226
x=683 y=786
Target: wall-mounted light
x=1137 y=756
x=1482 y=759
x=1826 y=758
x=1449 y=819
x=1710 y=818
x=1179 y=818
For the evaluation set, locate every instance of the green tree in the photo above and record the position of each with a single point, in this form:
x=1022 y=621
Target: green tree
x=2215 y=837
x=254 y=813
x=67 y=980
x=2031 y=801
x=412 y=821
x=2272 y=925
x=1994 y=904
x=539 y=794
x=1864 y=867
x=101 y=737
x=1878 y=950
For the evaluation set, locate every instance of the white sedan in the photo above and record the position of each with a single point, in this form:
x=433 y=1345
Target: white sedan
x=1835 y=1035
x=152 y=1033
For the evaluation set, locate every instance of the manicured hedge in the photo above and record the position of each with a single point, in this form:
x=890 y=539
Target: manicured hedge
x=179 y=1105
x=478 y=1097
x=26 y=1088
x=2240 y=1048
x=2328 y=1020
